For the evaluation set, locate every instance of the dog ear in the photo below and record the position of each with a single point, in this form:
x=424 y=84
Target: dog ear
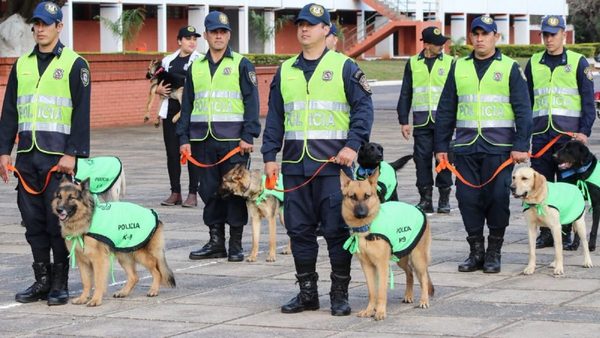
x=344 y=179
x=85 y=184
x=539 y=181
x=374 y=177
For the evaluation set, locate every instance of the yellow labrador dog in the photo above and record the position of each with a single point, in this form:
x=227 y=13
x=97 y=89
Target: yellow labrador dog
x=550 y=205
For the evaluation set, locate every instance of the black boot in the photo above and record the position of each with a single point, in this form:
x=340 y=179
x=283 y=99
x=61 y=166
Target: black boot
x=308 y=298
x=476 y=257
x=215 y=248
x=236 y=253
x=425 y=204
x=574 y=245
x=40 y=288
x=444 y=201
x=339 y=295
x=545 y=239
x=493 y=255
x=59 y=292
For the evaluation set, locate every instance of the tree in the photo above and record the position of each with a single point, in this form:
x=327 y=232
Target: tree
x=128 y=25
x=585 y=17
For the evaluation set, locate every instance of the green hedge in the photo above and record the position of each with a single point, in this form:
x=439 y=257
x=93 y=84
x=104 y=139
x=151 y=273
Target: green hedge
x=267 y=59
x=587 y=49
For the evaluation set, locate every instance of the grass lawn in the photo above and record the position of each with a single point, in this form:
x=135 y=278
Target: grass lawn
x=385 y=70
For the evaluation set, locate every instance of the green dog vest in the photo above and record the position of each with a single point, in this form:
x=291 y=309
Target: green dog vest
x=400 y=224
x=387 y=179
x=123 y=226
x=564 y=197
x=102 y=171
x=268 y=192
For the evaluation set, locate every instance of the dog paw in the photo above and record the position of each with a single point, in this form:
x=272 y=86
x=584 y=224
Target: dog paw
x=146 y=118
x=558 y=271
x=407 y=300
x=120 y=294
x=424 y=304
x=379 y=315
x=271 y=259
x=366 y=313
x=529 y=270
x=588 y=264
x=289 y=252
x=79 y=300
x=251 y=259
x=94 y=302
x=152 y=293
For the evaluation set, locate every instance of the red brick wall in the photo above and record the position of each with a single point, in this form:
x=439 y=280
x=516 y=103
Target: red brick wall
x=120 y=89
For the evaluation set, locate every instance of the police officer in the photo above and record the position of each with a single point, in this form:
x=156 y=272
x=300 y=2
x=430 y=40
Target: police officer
x=424 y=78
x=320 y=105
x=332 y=39
x=177 y=64
x=485 y=99
x=47 y=104
x=219 y=113
x=561 y=91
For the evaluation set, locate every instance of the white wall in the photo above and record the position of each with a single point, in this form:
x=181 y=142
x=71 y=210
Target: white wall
x=535 y=7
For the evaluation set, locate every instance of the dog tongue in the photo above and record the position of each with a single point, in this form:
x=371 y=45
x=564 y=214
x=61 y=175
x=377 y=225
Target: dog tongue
x=62 y=216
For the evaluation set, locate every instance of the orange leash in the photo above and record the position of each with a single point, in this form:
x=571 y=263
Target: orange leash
x=188 y=157
x=446 y=165
x=271 y=182
x=27 y=188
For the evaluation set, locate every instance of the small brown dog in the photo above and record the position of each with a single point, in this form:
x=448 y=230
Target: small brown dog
x=261 y=203
x=544 y=210
x=157 y=74
x=361 y=209
x=75 y=206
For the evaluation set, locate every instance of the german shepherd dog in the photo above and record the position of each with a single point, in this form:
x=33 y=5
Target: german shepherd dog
x=577 y=163
x=74 y=206
x=249 y=184
x=360 y=208
x=156 y=74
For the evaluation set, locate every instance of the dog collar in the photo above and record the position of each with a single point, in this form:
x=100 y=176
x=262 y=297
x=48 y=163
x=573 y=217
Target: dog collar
x=158 y=71
x=363 y=228
x=364 y=172
x=571 y=172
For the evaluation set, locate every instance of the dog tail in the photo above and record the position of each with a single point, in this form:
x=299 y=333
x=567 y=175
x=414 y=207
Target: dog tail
x=401 y=162
x=166 y=274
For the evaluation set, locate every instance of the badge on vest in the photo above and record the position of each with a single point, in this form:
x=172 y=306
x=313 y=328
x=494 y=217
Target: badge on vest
x=85 y=77
x=58 y=73
x=568 y=68
x=497 y=76
x=327 y=75
x=441 y=71
x=227 y=71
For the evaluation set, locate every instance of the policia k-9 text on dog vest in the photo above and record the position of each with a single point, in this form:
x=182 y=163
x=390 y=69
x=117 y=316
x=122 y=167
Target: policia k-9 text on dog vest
x=47 y=103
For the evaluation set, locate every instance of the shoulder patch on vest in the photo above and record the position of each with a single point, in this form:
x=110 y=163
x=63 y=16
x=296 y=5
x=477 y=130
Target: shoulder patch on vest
x=85 y=77
x=588 y=72
x=362 y=80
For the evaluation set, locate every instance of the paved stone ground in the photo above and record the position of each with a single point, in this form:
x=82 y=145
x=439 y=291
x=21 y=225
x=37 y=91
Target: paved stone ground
x=215 y=298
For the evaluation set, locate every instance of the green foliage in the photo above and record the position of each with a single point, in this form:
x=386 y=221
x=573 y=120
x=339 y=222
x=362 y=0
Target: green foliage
x=259 y=26
x=528 y=50
x=457 y=50
x=128 y=25
x=267 y=59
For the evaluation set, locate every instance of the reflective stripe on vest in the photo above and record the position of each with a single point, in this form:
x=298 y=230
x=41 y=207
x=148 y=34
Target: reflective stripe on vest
x=317 y=114
x=218 y=102
x=484 y=107
x=556 y=104
x=44 y=104
x=427 y=87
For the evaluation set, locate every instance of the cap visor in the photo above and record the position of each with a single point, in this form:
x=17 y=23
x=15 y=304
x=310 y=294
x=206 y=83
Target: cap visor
x=215 y=27
x=46 y=20
x=487 y=29
x=551 y=30
x=311 y=20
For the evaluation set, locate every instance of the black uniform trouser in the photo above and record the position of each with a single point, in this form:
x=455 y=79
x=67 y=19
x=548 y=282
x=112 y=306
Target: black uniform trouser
x=545 y=164
x=231 y=210
x=317 y=203
x=422 y=155
x=488 y=204
x=42 y=229
x=173 y=166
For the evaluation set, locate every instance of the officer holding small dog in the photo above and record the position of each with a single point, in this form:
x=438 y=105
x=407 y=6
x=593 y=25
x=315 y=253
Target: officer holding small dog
x=219 y=112
x=47 y=104
x=485 y=100
x=320 y=107
x=424 y=78
x=561 y=91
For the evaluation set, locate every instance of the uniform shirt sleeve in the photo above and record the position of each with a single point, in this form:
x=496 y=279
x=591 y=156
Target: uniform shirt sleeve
x=521 y=105
x=529 y=78
x=78 y=143
x=274 y=124
x=182 y=129
x=405 y=99
x=249 y=88
x=586 y=92
x=445 y=116
x=9 y=119
x=358 y=96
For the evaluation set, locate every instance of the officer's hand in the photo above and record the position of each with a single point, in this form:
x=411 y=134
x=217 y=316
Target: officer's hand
x=405 y=131
x=441 y=157
x=271 y=169
x=245 y=148
x=163 y=90
x=581 y=137
x=519 y=156
x=5 y=161
x=185 y=149
x=66 y=165
x=345 y=157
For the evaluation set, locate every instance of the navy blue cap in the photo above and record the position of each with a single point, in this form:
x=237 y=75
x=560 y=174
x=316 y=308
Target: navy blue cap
x=47 y=12
x=484 y=22
x=434 y=36
x=216 y=20
x=187 y=31
x=313 y=14
x=332 y=30
x=553 y=23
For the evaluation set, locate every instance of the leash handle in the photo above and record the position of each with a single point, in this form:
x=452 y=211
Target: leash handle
x=26 y=186
x=271 y=181
x=185 y=156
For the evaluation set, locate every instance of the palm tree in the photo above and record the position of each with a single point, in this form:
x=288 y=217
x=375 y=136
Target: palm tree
x=128 y=25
